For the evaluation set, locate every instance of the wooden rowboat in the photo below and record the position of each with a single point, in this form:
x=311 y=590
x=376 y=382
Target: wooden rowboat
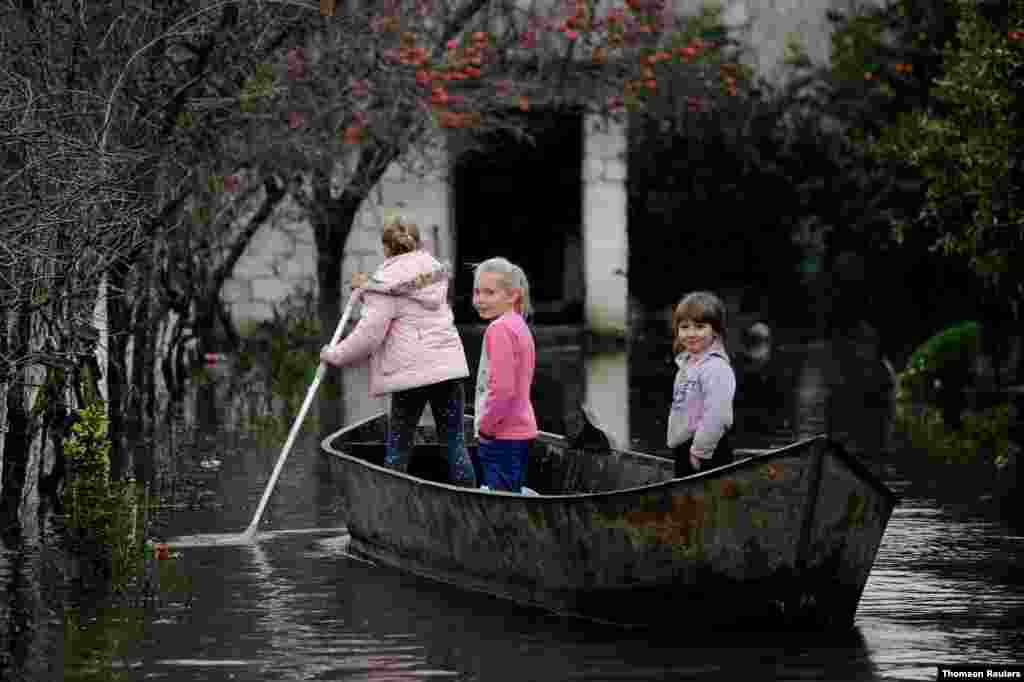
x=779 y=538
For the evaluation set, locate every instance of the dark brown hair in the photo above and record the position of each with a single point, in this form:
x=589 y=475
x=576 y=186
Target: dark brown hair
x=400 y=236
x=698 y=306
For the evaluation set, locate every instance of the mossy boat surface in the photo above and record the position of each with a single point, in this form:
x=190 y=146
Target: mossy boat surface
x=779 y=538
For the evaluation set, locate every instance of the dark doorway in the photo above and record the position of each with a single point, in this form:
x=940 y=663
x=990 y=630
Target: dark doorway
x=522 y=199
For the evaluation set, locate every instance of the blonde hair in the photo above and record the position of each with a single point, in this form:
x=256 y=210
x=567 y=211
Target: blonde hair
x=512 y=277
x=698 y=306
x=400 y=236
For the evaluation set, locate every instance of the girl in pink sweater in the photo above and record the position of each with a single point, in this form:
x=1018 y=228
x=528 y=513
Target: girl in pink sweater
x=505 y=422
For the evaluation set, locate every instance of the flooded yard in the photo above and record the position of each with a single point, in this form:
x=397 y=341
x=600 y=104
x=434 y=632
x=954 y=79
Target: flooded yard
x=947 y=586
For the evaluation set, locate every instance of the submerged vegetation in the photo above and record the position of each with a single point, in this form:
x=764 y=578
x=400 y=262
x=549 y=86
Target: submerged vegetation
x=106 y=522
x=982 y=438
x=282 y=355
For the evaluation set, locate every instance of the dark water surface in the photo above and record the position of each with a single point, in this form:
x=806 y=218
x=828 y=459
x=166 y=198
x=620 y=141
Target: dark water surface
x=947 y=587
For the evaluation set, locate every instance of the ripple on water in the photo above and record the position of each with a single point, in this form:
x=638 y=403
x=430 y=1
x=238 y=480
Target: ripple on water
x=943 y=589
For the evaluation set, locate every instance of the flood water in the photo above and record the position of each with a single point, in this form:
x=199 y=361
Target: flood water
x=947 y=587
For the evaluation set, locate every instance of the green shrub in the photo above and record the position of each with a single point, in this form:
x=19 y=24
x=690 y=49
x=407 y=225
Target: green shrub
x=104 y=521
x=286 y=349
x=952 y=349
x=983 y=436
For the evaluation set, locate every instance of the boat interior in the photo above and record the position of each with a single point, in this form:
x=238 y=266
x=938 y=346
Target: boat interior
x=558 y=465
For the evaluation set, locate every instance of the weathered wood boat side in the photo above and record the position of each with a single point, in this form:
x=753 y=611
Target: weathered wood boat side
x=786 y=537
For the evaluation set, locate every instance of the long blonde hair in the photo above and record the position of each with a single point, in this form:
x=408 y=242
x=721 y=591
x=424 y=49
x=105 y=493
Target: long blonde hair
x=512 y=277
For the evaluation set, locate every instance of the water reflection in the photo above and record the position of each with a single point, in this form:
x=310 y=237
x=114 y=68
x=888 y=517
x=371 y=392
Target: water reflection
x=945 y=589
x=607 y=391
x=29 y=640
x=297 y=609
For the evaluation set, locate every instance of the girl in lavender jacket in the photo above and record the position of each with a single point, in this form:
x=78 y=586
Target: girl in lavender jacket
x=416 y=355
x=701 y=414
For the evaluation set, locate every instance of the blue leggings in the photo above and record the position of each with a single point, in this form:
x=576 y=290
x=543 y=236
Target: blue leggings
x=447 y=402
x=503 y=463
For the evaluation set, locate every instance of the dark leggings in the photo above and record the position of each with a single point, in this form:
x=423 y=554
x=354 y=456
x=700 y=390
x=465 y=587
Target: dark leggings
x=721 y=456
x=447 y=402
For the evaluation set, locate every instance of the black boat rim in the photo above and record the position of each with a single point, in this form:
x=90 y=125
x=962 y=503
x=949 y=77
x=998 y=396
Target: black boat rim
x=761 y=456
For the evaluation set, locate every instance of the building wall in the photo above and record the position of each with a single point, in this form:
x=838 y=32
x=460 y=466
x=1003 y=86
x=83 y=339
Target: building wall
x=771 y=27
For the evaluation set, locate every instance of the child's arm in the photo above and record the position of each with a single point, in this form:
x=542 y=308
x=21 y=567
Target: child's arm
x=378 y=311
x=500 y=401
x=678 y=422
x=719 y=390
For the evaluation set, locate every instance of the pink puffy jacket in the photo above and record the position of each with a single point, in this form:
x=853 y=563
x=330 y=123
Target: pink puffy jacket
x=406 y=327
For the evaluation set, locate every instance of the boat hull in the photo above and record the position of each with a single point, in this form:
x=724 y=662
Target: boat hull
x=784 y=538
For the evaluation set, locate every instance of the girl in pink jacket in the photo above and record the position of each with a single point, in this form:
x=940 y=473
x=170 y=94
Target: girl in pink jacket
x=416 y=355
x=505 y=422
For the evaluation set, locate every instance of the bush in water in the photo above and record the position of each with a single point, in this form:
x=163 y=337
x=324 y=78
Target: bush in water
x=105 y=522
x=982 y=437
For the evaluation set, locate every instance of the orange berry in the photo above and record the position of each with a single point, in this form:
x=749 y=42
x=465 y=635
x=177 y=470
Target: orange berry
x=353 y=135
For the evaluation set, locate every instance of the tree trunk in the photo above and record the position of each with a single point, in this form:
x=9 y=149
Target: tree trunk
x=332 y=223
x=29 y=399
x=5 y=386
x=119 y=316
x=210 y=310
x=141 y=406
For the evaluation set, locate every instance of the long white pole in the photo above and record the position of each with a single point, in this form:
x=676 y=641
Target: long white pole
x=297 y=424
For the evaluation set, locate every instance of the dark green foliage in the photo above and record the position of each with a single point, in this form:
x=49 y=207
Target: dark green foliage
x=966 y=143
x=982 y=438
x=931 y=92
x=955 y=345
x=711 y=197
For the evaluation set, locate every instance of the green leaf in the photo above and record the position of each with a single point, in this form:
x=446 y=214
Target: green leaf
x=184 y=120
x=200 y=215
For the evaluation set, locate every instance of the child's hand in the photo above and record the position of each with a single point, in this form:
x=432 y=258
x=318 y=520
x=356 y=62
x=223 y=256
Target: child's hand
x=324 y=355
x=359 y=280
x=695 y=462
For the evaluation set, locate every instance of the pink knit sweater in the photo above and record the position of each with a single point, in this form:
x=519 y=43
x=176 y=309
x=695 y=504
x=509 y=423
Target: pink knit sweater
x=507 y=362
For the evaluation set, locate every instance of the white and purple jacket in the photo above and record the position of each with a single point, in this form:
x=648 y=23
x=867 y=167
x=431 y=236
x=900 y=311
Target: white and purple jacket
x=702 y=400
